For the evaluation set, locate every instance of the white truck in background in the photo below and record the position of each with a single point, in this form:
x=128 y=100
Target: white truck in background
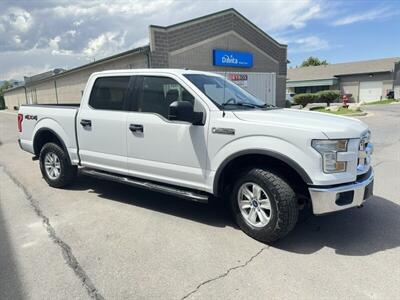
x=196 y=135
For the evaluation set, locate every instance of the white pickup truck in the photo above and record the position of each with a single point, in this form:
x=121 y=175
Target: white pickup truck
x=197 y=135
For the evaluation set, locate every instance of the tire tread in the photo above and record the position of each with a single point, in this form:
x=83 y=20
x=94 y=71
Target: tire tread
x=68 y=171
x=286 y=204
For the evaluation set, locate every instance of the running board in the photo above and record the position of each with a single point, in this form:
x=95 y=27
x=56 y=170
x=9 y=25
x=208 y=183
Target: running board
x=190 y=195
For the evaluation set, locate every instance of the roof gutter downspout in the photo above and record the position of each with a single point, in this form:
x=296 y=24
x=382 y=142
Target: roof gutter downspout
x=26 y=96
x=147 y=53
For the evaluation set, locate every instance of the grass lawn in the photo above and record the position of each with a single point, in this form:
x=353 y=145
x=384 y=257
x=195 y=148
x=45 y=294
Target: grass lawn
x=388 y=101
x=341 y=111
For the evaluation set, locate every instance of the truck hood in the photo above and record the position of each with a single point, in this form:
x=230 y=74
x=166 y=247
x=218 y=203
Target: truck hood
x=334 y=127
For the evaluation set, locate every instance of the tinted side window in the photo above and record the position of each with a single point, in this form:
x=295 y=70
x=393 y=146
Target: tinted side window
x=109 y=93
x=157 y=93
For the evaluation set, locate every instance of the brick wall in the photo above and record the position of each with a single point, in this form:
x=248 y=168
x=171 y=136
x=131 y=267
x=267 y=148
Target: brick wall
x=165 y=40
x=213 y=32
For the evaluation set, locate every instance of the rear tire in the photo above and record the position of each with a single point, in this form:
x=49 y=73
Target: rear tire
x=55 y=166
x=263 y=205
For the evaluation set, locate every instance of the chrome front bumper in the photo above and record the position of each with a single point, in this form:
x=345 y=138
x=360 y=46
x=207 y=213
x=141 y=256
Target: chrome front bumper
x=331 y=199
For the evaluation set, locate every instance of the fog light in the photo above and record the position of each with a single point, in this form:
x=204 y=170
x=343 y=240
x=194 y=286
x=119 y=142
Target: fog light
x=344 y=198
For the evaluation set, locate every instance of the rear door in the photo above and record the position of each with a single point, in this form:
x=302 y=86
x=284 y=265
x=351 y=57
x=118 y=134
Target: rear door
x=101 y=125
x=160 y=149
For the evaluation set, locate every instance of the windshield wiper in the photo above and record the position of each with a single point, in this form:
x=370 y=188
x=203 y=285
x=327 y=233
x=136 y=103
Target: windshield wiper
x=246 y=104
x=241 y=104
x=266 y=105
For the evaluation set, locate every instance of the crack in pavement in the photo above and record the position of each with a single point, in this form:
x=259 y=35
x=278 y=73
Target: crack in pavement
x=69 y=257
x=226 y=273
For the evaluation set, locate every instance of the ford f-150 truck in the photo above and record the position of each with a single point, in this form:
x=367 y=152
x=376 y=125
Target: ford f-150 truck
x=197 y=135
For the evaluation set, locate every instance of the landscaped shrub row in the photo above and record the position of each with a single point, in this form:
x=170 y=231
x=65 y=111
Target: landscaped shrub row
x=323 y=96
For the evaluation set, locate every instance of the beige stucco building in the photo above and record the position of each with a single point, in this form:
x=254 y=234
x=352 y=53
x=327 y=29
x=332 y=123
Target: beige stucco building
x=364 y=80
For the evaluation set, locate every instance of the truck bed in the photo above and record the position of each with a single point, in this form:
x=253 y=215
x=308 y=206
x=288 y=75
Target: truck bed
x=60 y=118
x=57 y=105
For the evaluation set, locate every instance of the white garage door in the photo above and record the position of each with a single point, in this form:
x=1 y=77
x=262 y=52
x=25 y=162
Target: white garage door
x=370 y=90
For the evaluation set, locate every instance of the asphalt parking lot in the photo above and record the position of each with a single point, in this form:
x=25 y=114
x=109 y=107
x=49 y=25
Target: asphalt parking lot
x=105 y=240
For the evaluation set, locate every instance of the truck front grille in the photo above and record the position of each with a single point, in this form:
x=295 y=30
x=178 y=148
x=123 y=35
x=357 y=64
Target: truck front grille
x=365 y=149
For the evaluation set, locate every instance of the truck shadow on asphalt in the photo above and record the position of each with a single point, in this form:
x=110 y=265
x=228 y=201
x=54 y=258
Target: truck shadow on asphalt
x=353 y=232
x=214 y=213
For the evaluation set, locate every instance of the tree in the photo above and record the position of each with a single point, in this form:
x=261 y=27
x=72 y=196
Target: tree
x=313 y=61
x=6 y=85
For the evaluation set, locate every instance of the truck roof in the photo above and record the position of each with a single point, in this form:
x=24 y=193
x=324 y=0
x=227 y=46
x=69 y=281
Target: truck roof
x=159 y=70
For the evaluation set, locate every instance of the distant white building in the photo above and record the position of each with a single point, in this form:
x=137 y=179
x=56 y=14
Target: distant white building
x=365 y=80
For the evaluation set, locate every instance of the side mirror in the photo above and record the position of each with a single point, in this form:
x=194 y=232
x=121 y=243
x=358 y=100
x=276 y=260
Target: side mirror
x=184 y=111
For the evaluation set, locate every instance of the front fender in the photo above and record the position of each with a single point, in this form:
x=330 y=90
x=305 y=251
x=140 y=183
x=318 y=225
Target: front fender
x=301 y=160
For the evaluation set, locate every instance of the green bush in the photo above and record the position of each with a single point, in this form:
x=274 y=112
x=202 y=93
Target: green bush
x=288 y=104
x=304 y=99
x=328 y=96
x=321 y=97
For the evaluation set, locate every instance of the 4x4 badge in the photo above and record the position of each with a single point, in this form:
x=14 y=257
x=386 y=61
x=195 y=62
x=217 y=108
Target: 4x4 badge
x=31 y=117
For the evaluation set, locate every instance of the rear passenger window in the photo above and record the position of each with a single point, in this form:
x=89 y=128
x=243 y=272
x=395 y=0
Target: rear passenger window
x=109 y=93
x=157 y=94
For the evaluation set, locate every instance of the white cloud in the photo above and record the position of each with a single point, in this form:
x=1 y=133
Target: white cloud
x=71 y=32
x=77 y=23
x=141 y=42
x=364 y=16
x=105 y=44
x=308 y=44
x=15 y=72
x=18 y=18
x=54 y=46
x=34 y=61
x=75 y=30
x=17 y=39
x=95 y=8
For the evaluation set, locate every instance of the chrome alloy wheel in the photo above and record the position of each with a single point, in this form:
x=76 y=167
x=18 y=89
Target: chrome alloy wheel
x=254 y=204
x=52 y=165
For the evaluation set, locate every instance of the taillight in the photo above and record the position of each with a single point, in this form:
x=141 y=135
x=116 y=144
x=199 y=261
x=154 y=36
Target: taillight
x=20 y=119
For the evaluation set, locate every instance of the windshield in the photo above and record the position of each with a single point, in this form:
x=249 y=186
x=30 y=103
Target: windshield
x=224 y=93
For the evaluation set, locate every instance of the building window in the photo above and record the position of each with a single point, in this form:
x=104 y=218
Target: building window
x=310 y=89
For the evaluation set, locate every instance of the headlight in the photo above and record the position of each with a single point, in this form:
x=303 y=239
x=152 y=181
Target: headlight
x=328 y=150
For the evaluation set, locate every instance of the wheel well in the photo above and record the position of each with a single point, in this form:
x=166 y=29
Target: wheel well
x=43 y=137
x=239 y=164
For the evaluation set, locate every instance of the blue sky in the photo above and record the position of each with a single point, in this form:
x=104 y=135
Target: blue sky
x=354 y=30
x=36 y=36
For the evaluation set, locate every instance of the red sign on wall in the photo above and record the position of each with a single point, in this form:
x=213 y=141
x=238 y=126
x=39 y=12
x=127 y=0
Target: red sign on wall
x=237 y=77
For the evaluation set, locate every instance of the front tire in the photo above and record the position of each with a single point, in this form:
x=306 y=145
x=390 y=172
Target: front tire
x=263 y=205
x=55 y=166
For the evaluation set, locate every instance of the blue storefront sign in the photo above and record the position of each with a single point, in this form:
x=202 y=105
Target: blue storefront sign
x=226 y=58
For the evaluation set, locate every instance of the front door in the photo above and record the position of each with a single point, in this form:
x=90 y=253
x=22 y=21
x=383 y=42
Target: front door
x=172 y=152
x=101 y=125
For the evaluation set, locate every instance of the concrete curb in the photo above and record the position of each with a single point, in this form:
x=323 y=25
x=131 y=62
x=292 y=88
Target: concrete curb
x=360 y=114
x=8 y=112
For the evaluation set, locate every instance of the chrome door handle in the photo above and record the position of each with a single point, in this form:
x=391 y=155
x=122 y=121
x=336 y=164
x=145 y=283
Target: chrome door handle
x=86 y=123
x=136 y=128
